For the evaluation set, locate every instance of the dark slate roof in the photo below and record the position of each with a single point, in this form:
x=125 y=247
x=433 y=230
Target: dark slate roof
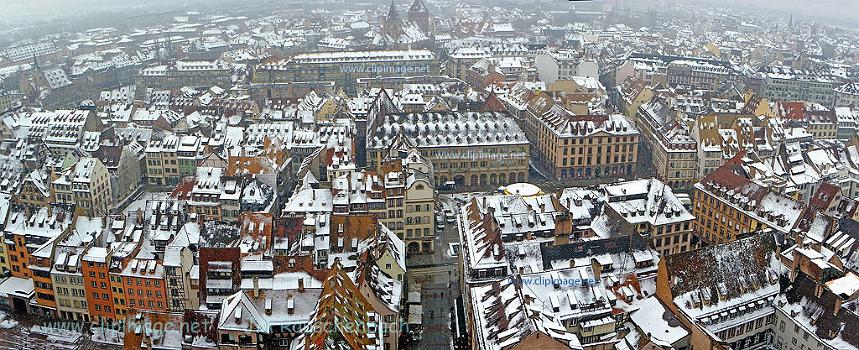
x=577 y=250
x=109 y=155
x=392 y=14
x=828 y=325
x=850 y=227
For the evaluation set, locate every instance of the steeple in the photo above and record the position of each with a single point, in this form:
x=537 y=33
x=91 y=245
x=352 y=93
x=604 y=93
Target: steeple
x=392 y=27
x=418 y=6
x=419 y=14
x=392 y=14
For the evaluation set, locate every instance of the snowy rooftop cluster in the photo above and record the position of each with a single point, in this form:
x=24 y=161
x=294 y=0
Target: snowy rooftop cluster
x=269 y=172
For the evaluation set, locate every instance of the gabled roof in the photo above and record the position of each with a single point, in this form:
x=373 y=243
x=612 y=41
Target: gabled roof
x=505 y=317
x=341 y=305
x=584 y=249
x=824 y=196
x=238 y=313
x=727 y=265
x=393 y=15
x=492 y=103
x=418 y=6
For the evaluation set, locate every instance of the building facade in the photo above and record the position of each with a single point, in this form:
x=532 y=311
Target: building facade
x=780 y=83
x=727 y=206
x=344 y=68
x=575 y=147
x=86 y=185
x=473 y=149
x=668 y=145
x=186 y=73
x=144 y=284
x=652 y=210
x=162 y=162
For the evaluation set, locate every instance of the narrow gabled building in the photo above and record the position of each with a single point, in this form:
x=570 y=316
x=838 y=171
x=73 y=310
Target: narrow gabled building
x=68 y=280
x=380 y=278
x=344 y=318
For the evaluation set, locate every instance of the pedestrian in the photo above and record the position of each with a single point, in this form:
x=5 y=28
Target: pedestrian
x=432 y=314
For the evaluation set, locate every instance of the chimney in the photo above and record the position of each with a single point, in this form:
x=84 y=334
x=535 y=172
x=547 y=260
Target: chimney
x=301 y=284
x=256 y=287
x=837 y=307
x=597 y=267
x=290 y=305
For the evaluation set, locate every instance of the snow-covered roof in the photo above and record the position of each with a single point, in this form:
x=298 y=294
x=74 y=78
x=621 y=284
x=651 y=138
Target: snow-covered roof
x=654 y=320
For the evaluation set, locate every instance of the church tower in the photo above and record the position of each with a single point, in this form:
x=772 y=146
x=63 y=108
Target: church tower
x=393 y=25
x=419 y=14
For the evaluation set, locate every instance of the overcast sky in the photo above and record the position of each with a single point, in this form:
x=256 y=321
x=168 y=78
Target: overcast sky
x=841 y=10
x=835 y=8
x=23 y=13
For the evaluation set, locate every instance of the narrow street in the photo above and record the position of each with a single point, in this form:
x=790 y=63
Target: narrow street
x=436 y=275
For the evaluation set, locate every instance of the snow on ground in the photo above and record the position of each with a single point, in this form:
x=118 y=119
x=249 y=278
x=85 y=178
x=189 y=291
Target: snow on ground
x=55 y=334
x=8 y=324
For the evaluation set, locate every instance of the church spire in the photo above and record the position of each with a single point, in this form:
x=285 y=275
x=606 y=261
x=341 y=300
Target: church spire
x=420 y=15
x=392 y=13
x=418 y=6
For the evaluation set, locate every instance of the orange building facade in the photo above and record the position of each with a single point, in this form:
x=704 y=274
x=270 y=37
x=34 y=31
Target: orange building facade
x=95 y=269
x=144 y=285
